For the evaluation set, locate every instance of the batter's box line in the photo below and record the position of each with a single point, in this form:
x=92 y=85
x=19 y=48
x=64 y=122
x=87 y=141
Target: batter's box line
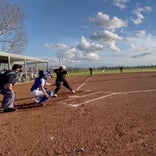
x=70 y=98
x=112 y=94
x=76 y=96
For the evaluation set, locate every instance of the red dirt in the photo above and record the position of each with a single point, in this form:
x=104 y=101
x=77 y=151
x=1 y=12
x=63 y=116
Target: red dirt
x=110 y=115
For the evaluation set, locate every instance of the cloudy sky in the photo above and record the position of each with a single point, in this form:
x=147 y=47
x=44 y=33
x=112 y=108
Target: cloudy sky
x=91 y=33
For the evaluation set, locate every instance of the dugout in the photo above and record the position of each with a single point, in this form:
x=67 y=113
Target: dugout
x=8 y=59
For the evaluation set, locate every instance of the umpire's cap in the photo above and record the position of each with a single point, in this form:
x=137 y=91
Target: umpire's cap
x=15 y=66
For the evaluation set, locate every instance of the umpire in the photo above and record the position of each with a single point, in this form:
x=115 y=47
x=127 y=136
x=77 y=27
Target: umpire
x=11 y=77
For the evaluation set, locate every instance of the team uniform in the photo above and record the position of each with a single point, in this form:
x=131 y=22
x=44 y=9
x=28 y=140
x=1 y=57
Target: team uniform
x=10 y=77
x=91 y=71
x=39 y=90
x=61 y=81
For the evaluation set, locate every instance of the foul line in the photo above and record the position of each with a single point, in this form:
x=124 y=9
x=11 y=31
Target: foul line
x=129 y=92
x=82 y=84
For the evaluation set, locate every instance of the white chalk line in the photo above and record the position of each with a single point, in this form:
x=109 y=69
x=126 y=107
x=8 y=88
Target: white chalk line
x=82 y=84
x=79 y=104
x=115 y=93
x=79 y=96
x=76 y=96
x=138 y=91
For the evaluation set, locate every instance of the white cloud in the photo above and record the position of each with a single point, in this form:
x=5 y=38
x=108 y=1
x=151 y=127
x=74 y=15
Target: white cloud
x=81 y=56
x=141 y=33
x=139 y=16
x=84 y=45
x=107 y=37
x=104 y=21
x=121 y=3
x=137 y=48
x=83 y=51
x=142 y=48
x=142 y=41
x=113 y=47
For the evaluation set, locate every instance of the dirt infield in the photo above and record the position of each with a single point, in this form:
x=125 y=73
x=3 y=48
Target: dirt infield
x=110 y=115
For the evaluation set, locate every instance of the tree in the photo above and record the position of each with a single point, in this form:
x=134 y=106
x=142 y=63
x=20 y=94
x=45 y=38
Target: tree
x=12 y=36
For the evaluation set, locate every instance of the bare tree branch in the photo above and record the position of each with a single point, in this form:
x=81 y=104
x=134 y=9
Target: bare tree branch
x=12 y=36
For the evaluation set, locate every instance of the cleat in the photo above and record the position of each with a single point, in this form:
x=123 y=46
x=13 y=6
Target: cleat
x=40 y=104
x=37 y=100
x=73 y=91
x=9 y=110
x=55 y=95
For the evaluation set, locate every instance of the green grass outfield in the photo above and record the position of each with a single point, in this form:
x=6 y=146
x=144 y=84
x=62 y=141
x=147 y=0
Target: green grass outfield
x=109 y=71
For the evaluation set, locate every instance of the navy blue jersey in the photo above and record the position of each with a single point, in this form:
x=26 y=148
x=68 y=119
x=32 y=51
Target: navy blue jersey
x=37 y=83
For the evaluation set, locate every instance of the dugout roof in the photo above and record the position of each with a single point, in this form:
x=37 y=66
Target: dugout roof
x=10 y=58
